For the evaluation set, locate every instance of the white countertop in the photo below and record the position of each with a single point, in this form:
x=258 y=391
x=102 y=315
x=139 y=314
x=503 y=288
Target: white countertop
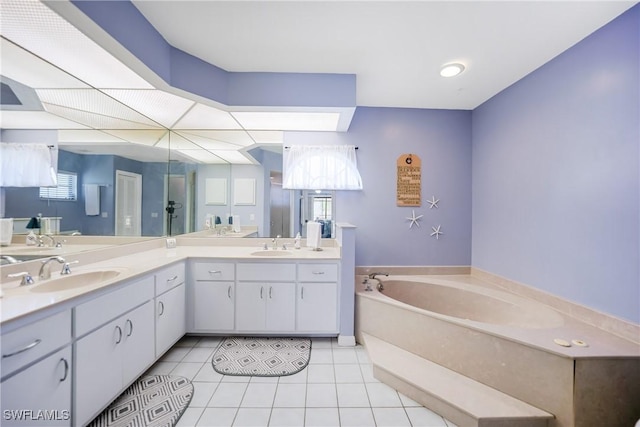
x=18 y=302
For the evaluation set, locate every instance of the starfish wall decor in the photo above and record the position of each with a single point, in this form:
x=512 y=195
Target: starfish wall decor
x=414 y=219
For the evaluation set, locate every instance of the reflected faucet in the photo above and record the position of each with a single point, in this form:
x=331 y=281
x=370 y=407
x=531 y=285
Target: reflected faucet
x=9 y=259
x=45 y=269
x=275 y=241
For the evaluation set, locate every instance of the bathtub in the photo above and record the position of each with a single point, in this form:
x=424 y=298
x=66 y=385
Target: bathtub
x=507 y=342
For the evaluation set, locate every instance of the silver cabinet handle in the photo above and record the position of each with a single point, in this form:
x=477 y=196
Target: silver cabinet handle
x=119 y=329
x=172 y=279
x=130 y=323
x=25 y=348
x=302 y=292
x=318 y=272
x=161 y=306
x=215 y=271
x=270 y=289
x=66 y=369
x=261 y=291
x=229 y=292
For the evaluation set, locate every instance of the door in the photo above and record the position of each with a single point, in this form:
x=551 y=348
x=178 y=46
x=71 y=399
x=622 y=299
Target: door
x=128 y=204
x=213 y=306
x=317 y=307
x=175 y=212
x=250 y=306
x=171 y=319
x=138 y=341
x=279 y=210
x=281 y=306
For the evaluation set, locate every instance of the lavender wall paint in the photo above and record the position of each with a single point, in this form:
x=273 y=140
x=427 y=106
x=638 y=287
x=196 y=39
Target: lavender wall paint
x=442 y=139
x=556 y=174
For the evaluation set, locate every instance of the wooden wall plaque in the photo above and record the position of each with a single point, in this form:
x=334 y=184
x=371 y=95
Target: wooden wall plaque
x=409 y=180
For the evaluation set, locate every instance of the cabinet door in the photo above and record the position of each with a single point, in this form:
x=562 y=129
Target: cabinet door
x=98 y=375
x=250 y=306
x=170 y=318
x=44 y=389
x=317 y=307
x=138 y=342
x=281 y=306
x=214 y=306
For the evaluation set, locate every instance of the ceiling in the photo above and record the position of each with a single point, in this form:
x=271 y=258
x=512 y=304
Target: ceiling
x=394 y=48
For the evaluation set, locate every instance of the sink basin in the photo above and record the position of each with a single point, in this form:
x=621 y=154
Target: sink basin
x=75 y=280
x=271 y=253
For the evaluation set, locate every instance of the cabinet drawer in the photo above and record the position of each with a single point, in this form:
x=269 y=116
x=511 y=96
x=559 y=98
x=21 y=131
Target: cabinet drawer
x=267 y=272
x=214 y=271
x=318 y=272
x=101 y=310
x=24 y=345
x=169 y=277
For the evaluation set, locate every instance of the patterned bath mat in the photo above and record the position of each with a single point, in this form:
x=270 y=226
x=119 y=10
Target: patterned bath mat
x=152 y=401
x=262 y=357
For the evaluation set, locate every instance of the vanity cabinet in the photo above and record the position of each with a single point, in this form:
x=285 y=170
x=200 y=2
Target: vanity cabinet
x=109 y=358
x=170 y=307
x=213 y=296
x=37 y=354
x=317 y=298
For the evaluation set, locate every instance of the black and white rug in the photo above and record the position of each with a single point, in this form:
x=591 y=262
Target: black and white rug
x=262 y=357
x=152 y=401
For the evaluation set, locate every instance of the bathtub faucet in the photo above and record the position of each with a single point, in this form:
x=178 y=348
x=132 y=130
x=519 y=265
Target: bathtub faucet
x=373 y=275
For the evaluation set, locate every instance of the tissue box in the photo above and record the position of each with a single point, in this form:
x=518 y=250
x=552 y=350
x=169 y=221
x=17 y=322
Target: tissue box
x=6 y=231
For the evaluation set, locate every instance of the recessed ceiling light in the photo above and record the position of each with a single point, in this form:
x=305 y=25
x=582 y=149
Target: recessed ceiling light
x=451 y=70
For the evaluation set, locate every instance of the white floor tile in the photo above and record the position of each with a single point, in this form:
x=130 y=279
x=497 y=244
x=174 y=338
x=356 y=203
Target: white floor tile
x=287 y=417
x=228 y=395
x=348 y=373
x=320 y=374
x=297 y=378
x=207 y=374
x=321 y=396
x=290 y=396
x=352 y=396
x=217 y=417
x=390 y=417
x=190 y=417
x=271 y=380
x=252 y=417
x=187 y=370
x=356 y=417
x=202 y=393
x=322 y=417
x=383 y=396
x=367 y=373
x=321 y=355
x=317 y=343
x=259 y=395
x=362 y=355
x=423 y=417
x=209 y=342
x=344 y=355
x=161 y=368
x=199 y=354
x=235 y=379
x=175 y=354
x=450 y=424
x=187 y=341
x=407 y=402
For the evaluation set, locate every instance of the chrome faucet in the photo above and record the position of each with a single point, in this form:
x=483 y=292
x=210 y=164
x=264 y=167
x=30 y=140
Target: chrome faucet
x=275 y=241
x=9 y=259
x=26 y=278
x=373 y=275
x=45 y=269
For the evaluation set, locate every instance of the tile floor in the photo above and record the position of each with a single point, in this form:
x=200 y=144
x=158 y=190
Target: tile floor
x=337 y=388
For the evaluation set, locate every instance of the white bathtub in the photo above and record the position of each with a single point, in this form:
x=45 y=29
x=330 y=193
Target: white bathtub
x=506 y=342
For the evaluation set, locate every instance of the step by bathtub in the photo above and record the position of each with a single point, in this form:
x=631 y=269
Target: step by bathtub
x=460 y=399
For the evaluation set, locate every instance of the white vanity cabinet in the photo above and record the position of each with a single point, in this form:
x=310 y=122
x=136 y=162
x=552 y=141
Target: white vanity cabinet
x=109 y=358
x=265 y=297
x=29 y=389
x=170 y=307
x=317 y=298
x=213 y=296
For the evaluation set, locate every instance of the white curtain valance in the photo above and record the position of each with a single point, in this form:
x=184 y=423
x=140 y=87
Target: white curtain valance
x=28 y=165
x=320 y=167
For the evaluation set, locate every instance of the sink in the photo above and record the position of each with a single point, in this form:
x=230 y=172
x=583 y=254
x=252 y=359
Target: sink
x=271 y=253
x=75 y=280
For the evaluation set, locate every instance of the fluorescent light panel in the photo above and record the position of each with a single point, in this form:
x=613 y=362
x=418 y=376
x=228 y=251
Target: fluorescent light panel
x=161 y=107
x=35 y=120
x=205 y=117
x=202 y=156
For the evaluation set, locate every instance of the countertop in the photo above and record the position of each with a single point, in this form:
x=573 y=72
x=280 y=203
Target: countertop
x=131 y=261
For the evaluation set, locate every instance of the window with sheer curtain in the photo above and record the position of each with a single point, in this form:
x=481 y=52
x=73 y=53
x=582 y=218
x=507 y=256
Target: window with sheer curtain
x=320 y=167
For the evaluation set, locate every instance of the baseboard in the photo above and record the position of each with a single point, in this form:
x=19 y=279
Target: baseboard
x=346 y=340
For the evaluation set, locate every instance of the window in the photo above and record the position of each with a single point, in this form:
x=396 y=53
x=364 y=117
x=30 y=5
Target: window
x=67 y=188
x=310 y=167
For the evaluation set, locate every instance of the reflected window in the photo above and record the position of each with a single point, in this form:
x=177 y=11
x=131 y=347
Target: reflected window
x=67 y=188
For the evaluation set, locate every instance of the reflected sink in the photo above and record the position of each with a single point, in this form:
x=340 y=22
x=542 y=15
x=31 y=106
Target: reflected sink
x=271 y=253
x=75 y=280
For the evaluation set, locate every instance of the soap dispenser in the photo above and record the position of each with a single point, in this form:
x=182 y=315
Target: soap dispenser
x=31 y=239
x=297 y=241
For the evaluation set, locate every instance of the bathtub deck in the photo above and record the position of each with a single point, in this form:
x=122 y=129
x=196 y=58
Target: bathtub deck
x=460 y=399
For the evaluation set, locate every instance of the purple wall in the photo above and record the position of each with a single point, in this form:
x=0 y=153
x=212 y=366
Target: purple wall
x=556 y=175
x=442 y=139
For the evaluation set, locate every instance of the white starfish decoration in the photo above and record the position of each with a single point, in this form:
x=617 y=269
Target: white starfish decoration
x=414 y=219
x=433 y=202
x=436 y=232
